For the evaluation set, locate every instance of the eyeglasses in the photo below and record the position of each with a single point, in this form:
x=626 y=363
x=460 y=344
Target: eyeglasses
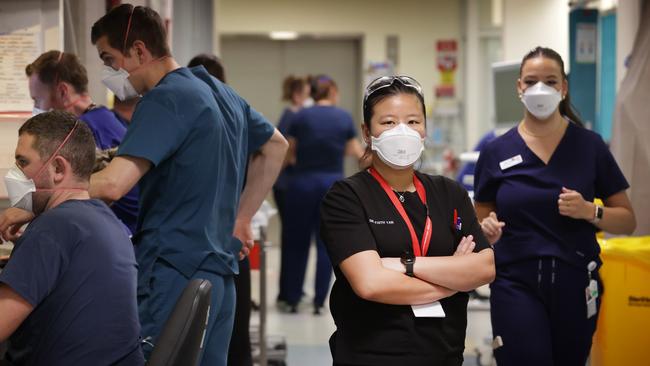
x=386 y=81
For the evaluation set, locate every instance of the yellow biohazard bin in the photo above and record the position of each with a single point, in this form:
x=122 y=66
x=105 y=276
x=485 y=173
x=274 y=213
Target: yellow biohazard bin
x=623 y=333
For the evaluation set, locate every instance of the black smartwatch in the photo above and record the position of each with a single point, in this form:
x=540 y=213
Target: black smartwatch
x=408 y=260
x=598 y=215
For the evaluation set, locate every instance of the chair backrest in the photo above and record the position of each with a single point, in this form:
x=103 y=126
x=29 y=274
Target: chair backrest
x=181 y=339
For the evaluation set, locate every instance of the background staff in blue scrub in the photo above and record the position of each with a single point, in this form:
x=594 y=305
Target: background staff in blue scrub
x=187 y=146
x=540 y=178
x=296 y=91
x=59 y=81
x=398 y=238
x=319 y=138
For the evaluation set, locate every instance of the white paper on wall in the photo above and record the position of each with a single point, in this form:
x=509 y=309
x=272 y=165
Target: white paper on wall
x=586 y=43
x=17 y=49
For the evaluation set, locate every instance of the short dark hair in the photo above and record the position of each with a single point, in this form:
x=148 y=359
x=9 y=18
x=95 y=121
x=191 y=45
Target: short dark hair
x=566 y=108
x=211 y=63
x=320 y=87
x=51 y=128
x=146 y=26
x=54 y=66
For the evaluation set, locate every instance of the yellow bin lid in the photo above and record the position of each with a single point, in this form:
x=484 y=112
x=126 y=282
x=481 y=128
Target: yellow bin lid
x=629 y=249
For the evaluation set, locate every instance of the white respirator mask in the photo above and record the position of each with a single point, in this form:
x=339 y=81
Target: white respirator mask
x=541 y=100
x=19 y=188
x=400 y=147
x=118 y=82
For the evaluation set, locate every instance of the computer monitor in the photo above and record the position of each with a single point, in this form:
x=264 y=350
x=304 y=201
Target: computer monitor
x=508 y=109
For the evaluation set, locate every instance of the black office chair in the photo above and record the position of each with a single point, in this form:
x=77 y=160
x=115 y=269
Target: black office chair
x=181 y=340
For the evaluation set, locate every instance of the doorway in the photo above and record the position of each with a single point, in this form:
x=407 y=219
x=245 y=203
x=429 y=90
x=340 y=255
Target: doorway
x=256 y=66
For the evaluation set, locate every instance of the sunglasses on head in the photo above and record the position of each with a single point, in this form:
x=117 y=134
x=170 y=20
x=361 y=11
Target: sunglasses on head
x=386 y=81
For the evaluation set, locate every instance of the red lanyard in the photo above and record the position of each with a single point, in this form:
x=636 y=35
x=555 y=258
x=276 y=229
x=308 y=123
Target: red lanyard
x=419 y=187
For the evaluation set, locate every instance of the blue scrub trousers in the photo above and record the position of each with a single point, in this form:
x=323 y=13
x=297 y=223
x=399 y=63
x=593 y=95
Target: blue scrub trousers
x=302 y=202
x=539 y=309
x=167 y=284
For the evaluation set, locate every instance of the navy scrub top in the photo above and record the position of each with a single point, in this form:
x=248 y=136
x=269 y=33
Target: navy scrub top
x=526 y=195
x=321 y=134
x=75 y=265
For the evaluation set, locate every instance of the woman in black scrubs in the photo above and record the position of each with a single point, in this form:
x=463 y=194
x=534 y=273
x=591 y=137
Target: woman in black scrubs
x=405 y=246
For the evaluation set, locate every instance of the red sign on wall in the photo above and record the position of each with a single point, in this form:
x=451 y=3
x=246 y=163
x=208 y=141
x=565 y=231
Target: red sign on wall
x=447 y=62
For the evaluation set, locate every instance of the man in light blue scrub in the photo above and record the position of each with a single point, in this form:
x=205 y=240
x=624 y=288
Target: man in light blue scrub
x=187 y=145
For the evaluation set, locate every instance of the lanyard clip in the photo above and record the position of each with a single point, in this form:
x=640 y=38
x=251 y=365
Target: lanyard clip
x=591 y=267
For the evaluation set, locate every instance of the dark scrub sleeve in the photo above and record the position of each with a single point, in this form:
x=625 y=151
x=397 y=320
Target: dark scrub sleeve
x=294 y=127
x=609 y=178
x=34 y=268
x=470 y=224
x=485 y=182
x=344 y=227
x=155 y=133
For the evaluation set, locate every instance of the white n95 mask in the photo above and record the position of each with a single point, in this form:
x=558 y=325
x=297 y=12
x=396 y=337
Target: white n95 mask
x=541 y=100
x=400 y=147
x=19 y=188
x=118 y=82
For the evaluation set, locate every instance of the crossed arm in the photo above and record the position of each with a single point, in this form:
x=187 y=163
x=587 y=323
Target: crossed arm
x=383 y=280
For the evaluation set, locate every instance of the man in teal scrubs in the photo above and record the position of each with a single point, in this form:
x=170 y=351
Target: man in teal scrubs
x=187 y=145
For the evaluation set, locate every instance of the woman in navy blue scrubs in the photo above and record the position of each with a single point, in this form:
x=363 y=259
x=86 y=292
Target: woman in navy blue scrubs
x=534 y=192
x=296 y=91
x=319 y=138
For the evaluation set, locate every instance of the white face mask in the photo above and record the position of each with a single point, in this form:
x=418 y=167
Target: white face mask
x=118 y=82
x=19 y=188
x=541 y=100
x=400 y=147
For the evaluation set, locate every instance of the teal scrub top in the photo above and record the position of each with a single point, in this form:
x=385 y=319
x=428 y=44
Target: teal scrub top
x=197 y=133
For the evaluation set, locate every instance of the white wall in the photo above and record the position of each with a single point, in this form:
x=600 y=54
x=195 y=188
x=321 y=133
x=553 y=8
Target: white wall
x=531 y=23
x=627 y=23
x=192 y=28
x=474 y=97
x=80 y=17
x=19 y=14
x=417 y=23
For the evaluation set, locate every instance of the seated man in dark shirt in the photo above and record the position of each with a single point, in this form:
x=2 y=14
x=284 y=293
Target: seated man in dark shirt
x=68 y=292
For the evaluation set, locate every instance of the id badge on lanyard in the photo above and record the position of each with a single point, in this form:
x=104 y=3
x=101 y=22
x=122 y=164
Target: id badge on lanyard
x=434 y=309
x=591 y=292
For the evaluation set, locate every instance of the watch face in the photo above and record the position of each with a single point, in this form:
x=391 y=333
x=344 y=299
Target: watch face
x=599 y=212
x=407 y=258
